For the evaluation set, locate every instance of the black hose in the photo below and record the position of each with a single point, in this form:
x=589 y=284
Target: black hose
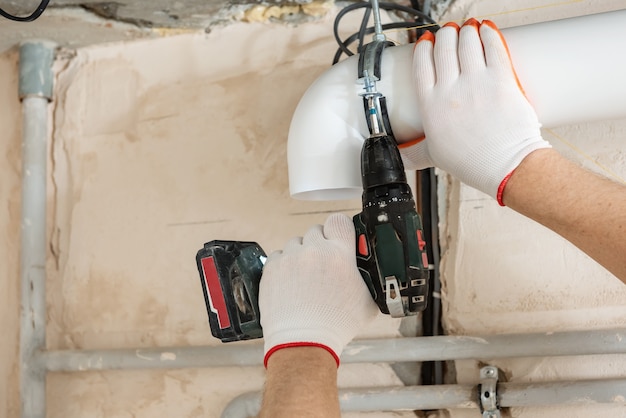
x=432 y=371
x=40 y=9
x=420 y=19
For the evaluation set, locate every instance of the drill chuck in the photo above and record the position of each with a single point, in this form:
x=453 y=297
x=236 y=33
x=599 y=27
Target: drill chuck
x=381 y=164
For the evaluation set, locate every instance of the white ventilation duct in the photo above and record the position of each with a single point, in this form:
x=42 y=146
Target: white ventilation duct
x=573 y=71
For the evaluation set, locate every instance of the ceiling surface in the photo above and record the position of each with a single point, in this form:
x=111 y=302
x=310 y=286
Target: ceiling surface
x=165 y=13
x=76 y=23
x=148 y=13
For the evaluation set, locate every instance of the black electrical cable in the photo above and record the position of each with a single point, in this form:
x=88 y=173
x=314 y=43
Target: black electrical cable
x=363 y=28
x=40 y=9
x=432 y=371
x=420 y=19
x=355 y=36
x=415 y=4
x=436 y=290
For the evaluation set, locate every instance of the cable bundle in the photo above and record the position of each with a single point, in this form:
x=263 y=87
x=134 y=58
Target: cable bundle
x=420 y=22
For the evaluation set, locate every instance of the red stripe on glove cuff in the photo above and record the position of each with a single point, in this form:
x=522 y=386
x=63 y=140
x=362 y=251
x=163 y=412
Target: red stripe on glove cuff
x=298 y=344
x=501 y=187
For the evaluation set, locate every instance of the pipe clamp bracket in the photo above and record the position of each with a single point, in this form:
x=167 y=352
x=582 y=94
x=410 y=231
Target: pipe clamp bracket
x=370 y=59
x=487 y=392
x=369 y=72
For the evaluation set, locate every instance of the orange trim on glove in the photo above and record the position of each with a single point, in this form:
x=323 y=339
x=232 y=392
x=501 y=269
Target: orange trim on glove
x=426 y=36
x=472 y=22
x=452 y=25
x=411 y=142
x=506 y=46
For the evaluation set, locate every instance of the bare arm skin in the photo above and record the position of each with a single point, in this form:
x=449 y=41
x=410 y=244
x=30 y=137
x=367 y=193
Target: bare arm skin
x=301 y=382
x=587 y=210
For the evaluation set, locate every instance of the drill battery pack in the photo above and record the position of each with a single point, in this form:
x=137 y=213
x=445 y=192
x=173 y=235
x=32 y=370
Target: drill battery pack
x=230 y=273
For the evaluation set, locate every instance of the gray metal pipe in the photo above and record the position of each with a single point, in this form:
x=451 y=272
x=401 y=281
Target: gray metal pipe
x=457 y=396
x=376 y=399
x=426 y=7
x=488 y=347
x=582 y=392
x=361 y=351
x=244 y=405
x=35 y=90
x=153 y=358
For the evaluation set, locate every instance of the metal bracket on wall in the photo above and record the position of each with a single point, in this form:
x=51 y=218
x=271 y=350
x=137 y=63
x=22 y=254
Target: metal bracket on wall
x=487 y=392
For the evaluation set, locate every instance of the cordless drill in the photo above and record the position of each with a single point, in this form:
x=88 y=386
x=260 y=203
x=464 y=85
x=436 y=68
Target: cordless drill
x=391 y=252
x=390 y=248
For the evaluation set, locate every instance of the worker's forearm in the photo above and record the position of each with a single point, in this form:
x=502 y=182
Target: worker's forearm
x=584 y=208
x=301 y=382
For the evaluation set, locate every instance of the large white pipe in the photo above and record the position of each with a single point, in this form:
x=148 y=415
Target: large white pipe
x=572 y=70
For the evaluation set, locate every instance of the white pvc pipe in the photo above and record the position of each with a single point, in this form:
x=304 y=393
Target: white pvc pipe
x=572 y=71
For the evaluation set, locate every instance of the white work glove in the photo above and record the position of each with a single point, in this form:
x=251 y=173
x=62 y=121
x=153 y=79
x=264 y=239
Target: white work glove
x=478 y=124
x=312 y=294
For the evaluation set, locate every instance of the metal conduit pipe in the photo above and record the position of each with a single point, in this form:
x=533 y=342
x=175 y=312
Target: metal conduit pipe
x=35 y=91
x=361 y=351
x=585 y=392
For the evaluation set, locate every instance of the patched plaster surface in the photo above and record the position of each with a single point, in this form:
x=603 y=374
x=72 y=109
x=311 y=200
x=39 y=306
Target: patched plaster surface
x=197 y=14
x=158 y=148
x=77 y=24
x=10 y=163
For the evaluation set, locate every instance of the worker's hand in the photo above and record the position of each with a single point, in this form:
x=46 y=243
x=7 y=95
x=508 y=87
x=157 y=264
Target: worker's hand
x=312 y=294
x=478 y=124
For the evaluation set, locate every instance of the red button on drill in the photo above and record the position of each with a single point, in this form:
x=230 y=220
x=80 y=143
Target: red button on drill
x=363 y=250
x=422 y=244
x=420 y=240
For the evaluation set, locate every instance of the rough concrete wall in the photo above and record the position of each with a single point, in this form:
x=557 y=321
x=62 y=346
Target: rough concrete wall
x=506 y=274
x=10 y=155
x=160 y=146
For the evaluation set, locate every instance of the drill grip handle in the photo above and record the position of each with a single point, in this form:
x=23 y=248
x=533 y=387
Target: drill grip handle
x=391 y=257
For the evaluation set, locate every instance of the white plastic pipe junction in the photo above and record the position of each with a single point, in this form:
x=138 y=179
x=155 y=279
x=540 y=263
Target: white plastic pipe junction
x=572 y=70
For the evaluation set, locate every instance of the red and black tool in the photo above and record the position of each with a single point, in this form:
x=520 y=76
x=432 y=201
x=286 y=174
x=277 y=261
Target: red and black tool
x=230 y=272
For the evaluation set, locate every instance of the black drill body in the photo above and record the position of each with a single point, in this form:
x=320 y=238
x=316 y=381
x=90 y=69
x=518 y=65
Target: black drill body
x=390 y=246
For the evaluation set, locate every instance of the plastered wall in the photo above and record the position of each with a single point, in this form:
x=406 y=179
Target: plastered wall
x=159 y=146
x=10 y=167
